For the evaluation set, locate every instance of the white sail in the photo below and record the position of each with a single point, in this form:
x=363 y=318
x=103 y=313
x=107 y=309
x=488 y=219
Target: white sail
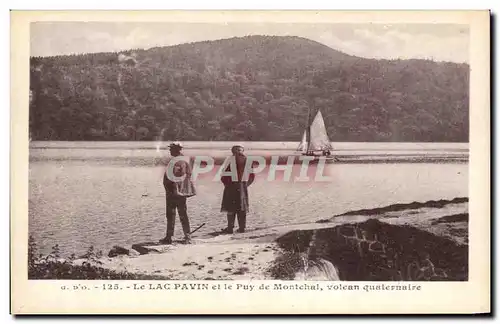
x=303 y=144
x=318 y=140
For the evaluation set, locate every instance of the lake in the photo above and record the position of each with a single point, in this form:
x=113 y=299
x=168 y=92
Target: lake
x=111 y=193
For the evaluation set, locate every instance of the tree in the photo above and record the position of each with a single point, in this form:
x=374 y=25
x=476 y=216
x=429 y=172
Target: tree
x=248 y=88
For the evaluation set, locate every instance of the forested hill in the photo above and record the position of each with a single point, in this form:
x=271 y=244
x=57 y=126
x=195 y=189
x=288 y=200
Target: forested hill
x=256 y=88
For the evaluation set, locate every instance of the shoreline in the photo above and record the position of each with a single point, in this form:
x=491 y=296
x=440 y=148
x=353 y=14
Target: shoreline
x=155 y=161
x=155 y=152
x=376 y=238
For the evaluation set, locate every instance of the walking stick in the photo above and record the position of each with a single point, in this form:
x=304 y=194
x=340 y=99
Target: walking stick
x=197 y=228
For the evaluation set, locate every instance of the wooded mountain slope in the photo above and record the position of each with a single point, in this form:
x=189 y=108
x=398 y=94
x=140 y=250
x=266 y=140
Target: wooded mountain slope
x=256 y=88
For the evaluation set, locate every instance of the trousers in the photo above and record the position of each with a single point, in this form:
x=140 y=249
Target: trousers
x=177 y=203
x=242 y=220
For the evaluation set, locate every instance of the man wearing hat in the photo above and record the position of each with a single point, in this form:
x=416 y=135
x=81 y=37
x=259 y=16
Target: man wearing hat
x=177 y=191
x=235 y=200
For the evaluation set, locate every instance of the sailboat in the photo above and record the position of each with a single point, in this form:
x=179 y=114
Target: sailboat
x=315 y=140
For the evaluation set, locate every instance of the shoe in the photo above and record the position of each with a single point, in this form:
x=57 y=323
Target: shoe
x=166 y=240
x=227 y=231
x=241 y=230
x=187 y=240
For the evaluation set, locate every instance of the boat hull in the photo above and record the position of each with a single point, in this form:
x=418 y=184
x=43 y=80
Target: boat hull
x=318 y=157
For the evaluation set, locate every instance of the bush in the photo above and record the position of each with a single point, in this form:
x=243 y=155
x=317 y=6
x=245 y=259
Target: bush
x=287 y=265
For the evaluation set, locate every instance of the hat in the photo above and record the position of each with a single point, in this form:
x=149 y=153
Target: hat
x=176 y=144
x=236 y=146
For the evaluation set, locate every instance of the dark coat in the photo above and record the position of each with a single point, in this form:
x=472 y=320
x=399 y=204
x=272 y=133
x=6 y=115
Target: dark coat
x=235 y=196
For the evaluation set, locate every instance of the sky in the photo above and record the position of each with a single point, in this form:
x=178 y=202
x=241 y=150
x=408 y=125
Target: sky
x=439 y=42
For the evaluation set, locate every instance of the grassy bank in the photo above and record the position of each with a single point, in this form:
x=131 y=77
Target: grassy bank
x=88 y=267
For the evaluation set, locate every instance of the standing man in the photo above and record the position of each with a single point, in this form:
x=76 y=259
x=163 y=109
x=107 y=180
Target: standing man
x=177 y=191
x=235 y=197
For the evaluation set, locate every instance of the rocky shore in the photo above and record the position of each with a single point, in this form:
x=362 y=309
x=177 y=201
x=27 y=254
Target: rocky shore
x=419 y=241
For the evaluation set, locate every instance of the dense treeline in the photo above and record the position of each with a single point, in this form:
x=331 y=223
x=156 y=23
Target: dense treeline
x=249 y=88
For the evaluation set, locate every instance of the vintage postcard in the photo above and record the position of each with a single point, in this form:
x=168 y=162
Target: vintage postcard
x=247 y=162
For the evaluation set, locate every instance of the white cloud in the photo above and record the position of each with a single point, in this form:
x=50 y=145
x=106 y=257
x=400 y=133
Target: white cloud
x=393 y=43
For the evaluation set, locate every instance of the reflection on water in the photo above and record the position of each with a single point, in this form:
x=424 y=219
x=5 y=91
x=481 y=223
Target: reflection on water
x=77 y=204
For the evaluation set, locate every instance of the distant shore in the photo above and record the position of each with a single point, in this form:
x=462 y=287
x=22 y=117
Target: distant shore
x=282 y=158
x=154 y=153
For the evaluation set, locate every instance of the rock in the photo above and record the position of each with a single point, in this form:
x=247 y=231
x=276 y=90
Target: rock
x=374 y=251
x=151 y=247
x=118 y=250
x=141 y=249
x=133 y=253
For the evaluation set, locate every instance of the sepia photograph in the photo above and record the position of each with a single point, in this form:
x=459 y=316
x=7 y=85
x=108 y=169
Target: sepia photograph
x=293 y=152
